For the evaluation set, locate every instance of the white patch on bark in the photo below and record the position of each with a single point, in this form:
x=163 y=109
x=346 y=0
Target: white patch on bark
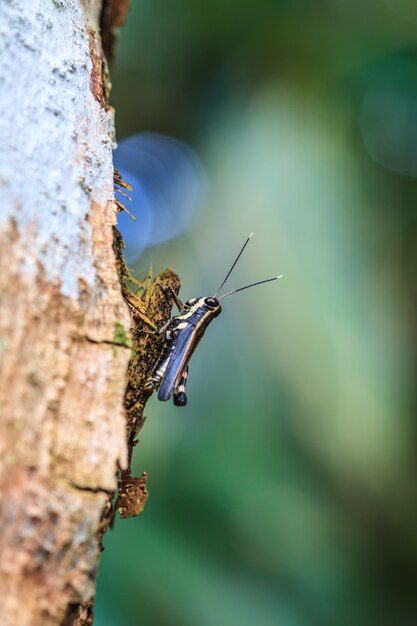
x=47 y=113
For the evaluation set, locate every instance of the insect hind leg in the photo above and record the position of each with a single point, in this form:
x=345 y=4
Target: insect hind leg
x=180 y=398
x=154 y=380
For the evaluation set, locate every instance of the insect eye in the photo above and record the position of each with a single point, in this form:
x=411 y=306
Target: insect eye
x=211 y=302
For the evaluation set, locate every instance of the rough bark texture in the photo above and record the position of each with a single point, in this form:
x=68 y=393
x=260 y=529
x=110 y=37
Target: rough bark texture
x=62 y=364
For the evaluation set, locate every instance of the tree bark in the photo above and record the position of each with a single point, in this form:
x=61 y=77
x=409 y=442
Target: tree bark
x=62 y=364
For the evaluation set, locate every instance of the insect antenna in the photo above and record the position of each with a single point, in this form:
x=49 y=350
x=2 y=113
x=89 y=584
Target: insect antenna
x=268 y=280
x=231 y=269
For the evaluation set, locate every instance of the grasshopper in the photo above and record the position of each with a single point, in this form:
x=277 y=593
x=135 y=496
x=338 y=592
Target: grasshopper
x=183 y=333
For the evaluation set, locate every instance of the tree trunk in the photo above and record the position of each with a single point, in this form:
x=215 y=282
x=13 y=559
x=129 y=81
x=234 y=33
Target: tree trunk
x=62 y=364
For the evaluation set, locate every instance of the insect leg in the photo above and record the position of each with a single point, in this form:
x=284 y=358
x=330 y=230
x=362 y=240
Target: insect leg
x=159 y=331
x=180 y=399
x=157 y=375
x=169 y=291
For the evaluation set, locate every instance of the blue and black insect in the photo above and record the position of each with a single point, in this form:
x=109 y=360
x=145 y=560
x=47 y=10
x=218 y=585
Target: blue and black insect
x=183 y=333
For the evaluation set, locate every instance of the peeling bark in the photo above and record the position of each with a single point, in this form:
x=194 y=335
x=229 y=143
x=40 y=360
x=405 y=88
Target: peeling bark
x=112 y=17
x=62 y=368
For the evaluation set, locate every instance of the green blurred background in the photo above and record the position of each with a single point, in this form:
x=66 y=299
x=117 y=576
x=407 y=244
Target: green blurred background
x=285 y=492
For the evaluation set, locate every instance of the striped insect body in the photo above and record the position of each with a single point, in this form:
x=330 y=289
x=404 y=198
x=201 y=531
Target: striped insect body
x=183 y=333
